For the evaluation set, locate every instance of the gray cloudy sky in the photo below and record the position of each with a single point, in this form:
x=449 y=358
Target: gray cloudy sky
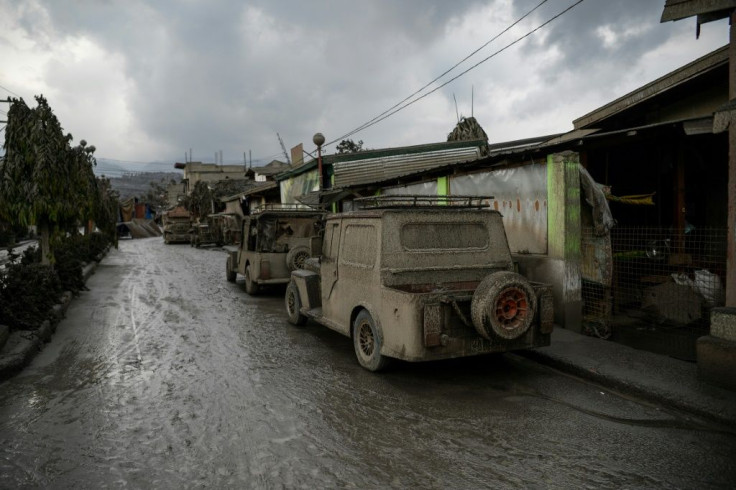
x=147 y=80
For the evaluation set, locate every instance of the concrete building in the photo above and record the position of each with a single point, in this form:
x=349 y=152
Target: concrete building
x=208 y=172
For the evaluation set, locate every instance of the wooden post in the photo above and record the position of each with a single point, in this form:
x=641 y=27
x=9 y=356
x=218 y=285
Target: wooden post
x=730 y=265
x=564 y=236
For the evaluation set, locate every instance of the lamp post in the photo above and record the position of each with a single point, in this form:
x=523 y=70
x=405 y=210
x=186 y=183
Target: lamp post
x=319 y=140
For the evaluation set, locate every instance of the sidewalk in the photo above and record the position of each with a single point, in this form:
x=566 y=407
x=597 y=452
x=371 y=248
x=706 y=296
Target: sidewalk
x=655 y=377
x=17 y=349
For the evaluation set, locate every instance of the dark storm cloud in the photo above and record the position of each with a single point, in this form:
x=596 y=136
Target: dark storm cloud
x=577 y=33
x=230 y=74
x=215 y=74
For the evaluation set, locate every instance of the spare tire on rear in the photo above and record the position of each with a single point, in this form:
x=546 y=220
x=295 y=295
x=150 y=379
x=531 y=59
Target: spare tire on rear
x=503 y=306
x=296 y=257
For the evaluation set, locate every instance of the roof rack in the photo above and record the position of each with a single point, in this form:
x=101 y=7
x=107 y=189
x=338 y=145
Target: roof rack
x=283 y=207
x=413 y=201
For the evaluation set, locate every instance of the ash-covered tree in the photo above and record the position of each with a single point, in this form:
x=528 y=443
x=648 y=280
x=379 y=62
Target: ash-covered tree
x=199 y=202
x=349 y=146
x=43 y=181
x=156 y=196
x=81 y=160
x=107 y=202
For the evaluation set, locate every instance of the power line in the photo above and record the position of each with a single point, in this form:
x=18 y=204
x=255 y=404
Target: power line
x=365 y=125
x=404 y=106
x=9 y=91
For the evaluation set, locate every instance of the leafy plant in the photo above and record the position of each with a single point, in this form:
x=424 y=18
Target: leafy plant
x=43 y=180
x=27 y=293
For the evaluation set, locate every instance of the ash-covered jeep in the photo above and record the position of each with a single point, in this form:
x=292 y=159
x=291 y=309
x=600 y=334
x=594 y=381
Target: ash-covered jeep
x=418 y=279
x=276 y=240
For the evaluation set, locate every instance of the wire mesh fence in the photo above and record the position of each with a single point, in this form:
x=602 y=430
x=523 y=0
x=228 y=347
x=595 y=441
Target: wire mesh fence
x=658 y=276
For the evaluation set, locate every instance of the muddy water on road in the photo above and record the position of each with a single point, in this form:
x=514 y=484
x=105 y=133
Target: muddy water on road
x=164 y=375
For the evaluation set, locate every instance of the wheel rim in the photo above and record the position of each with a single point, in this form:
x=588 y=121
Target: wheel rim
x=366 y=340
x=299 y=260
x=512 y=308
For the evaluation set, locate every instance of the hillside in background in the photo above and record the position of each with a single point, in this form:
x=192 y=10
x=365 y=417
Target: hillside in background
x=118 y=168
x=137 y=184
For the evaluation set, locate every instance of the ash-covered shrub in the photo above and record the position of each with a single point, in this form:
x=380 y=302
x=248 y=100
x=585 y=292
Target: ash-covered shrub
x=31 y=255
x=27 y=293
x=97 y=244
x=70 y=256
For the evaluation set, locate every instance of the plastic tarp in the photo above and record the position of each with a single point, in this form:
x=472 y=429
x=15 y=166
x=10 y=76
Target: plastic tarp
x=602 y=218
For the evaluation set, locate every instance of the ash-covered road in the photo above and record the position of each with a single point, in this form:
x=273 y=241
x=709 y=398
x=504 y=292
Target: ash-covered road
x=164 y=375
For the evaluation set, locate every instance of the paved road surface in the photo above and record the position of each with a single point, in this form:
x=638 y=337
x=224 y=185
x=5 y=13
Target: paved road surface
x=164 y=375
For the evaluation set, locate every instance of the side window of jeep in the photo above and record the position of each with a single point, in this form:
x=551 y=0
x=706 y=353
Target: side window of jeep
x=361 y=242
x=250 y=232
x=332 y=241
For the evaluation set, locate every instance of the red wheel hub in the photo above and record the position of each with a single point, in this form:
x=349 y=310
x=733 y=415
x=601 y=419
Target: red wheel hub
x=512 y=307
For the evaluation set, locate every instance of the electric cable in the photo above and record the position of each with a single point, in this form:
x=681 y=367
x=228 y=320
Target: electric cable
x=9 y=91
x=404 y=106
x=451 y=68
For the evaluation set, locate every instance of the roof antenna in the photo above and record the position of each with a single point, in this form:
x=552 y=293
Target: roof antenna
x=472 y=100
x=456 y=113
x=283 y=148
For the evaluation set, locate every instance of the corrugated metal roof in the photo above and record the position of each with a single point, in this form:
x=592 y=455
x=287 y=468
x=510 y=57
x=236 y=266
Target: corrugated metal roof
x=254 y=189
x=334 y=159
x=380 y=169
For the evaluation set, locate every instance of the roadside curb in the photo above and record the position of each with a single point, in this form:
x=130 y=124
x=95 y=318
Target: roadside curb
x=21 y=346
x=658 y=379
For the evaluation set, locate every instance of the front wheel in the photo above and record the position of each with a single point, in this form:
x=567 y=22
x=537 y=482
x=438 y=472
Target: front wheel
x=367 y=343
x=251 y=287
x=294 y=305
x=230 y=273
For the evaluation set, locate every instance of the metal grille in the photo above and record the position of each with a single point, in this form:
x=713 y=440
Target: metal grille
x=660 y=277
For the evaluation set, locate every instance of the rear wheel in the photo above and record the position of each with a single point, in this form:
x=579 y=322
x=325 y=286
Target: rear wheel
x=367 y=343
x=230 y=273
x=251 y=287
x=294 y=305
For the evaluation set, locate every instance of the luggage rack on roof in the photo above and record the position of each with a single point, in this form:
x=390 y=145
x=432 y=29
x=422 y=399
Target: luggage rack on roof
x=411 y=201
x=283 y=207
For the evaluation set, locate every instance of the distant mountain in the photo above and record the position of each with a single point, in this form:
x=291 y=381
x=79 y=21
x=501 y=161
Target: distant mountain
x=119 y=168
x=131 y=184
x=108 y=169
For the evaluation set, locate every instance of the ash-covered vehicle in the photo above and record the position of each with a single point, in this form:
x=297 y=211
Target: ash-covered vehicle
x=202 y=234
x=176 y=223
x=276 y=240
x=418 y=279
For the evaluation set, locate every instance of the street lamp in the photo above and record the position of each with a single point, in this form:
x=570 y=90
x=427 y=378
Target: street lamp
x=319 y=140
